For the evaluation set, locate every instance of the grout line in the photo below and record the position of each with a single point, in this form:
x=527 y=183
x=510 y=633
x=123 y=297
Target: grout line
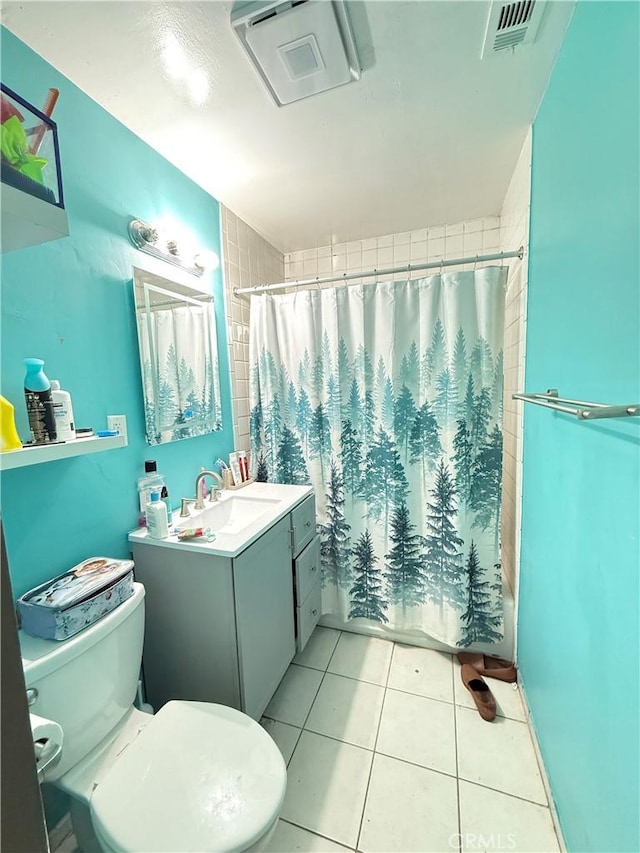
x=502 y=715
x=55 y=834
x=375 y=745
x=455 y=742
x=505 y=793
x=326 y=669
x=316 y=834
x=319 y=686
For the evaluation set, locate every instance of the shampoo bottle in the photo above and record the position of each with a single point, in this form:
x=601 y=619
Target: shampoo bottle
x=157 y=521
x=63 y=412
x=37 y=392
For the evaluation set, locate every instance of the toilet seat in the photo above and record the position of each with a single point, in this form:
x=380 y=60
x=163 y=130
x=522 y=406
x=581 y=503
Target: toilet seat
x=199 y=777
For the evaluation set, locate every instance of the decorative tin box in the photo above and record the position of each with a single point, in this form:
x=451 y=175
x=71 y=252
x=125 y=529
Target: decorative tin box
x=62 y=607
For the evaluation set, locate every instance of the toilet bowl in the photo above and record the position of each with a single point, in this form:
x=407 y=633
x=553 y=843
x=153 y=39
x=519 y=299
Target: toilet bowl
x=195 y=776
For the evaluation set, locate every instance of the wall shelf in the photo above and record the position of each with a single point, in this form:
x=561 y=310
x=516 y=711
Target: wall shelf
x=28 y=221
x=51 y=452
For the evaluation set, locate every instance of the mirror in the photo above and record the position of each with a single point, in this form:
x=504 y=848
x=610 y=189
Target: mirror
x=178 y=358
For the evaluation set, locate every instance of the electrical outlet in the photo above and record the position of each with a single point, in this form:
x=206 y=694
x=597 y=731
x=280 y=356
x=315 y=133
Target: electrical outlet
x=119 y=423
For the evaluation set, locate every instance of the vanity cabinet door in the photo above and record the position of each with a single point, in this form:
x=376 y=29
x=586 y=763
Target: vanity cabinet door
x=308 y=615
x=264 y=616
x=190 y=626
x=307 y=566
x=303 y=524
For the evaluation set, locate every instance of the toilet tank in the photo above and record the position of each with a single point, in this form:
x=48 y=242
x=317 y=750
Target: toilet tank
x=89 y=682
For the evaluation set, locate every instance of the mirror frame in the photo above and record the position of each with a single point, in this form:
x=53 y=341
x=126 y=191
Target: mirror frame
x=145 y=284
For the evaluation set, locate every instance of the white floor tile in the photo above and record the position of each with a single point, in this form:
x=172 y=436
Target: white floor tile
x=499 y=755
x=69 y=845
x=327 y=784
x=284 y=736
x=507 y=696
x=417 y=729
x=317 y=653
x=292 y=839
x=347 y=710
x=421 y=671
x=409 y=809
x=503 y=822
x=60 y=832
x=294 y=697
x=365 y=658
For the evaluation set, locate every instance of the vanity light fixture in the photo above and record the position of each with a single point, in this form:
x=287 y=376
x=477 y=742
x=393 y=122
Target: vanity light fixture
x=148 y=239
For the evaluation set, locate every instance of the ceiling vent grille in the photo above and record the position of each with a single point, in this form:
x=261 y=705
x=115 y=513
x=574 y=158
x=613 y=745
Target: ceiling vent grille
x=511 y=25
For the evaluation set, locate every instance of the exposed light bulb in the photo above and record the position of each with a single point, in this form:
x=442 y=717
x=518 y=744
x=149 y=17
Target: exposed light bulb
x=206 y=260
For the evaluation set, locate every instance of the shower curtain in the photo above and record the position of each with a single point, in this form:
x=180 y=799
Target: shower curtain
x=180 y=372
x=387 y=398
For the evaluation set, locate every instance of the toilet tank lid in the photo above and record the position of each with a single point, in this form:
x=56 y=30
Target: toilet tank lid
x=42 y=657
x=199 y=777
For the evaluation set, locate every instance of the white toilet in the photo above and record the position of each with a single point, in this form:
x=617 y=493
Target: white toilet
x=194 y=777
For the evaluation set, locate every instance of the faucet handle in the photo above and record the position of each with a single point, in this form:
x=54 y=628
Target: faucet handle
x=184 y=507
x=214 y=494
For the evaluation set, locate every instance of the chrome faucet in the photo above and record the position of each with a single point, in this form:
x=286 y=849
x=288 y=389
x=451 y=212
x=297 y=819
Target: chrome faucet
x=214 y=492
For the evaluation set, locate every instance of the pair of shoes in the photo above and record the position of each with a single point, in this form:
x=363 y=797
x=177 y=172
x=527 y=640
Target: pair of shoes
x=490 y=667
x=479 y=689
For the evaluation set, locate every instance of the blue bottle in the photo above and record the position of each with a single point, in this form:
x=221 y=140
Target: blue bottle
x=37 y=392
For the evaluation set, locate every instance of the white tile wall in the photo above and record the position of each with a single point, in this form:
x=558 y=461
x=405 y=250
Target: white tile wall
x=514 y=228
x=441 y=242
x=248 y=260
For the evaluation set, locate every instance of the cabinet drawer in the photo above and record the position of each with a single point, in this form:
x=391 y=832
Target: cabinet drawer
x=308 y=616
x=303 y=524
x=307 y=569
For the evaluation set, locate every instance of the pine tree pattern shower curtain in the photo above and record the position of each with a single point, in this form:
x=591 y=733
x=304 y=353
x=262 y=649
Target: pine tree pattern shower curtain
x=387 y=398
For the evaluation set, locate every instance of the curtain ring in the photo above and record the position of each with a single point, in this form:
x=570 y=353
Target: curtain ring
x=475 y=264
x=441 y=266
x=317 y=283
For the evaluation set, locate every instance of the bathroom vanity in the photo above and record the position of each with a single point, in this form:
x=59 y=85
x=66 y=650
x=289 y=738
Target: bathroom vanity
x=224 y=618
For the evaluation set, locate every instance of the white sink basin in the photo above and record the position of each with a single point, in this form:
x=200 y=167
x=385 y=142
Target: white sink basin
x=236 y=520
x=230 y=515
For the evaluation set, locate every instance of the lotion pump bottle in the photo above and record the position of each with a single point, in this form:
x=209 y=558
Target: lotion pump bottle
x=63 y=412
x=157 y=521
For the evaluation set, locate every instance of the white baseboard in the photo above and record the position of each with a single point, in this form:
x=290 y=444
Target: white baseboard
x=543 y=771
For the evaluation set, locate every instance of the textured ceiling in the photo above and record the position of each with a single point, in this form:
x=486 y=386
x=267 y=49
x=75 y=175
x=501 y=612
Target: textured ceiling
x=430 y=134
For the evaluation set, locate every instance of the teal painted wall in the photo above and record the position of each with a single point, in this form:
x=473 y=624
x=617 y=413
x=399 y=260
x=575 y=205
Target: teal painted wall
x=70 y=302
x=578 y=610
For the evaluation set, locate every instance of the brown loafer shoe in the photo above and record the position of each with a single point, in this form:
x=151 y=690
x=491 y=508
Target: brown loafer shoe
x=479 y=689
x=490 y=667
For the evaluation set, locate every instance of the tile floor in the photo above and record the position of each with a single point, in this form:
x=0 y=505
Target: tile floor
x=387 y=754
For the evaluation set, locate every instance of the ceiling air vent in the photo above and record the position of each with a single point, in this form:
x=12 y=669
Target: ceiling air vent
x=510 y=25
x=299 y=48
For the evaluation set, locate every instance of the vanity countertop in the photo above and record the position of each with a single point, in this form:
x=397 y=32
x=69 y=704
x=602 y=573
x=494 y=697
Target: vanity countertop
x=278 y=499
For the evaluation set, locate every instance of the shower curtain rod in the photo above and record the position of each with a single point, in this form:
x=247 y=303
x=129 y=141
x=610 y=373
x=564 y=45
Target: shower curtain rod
x=408 y=268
